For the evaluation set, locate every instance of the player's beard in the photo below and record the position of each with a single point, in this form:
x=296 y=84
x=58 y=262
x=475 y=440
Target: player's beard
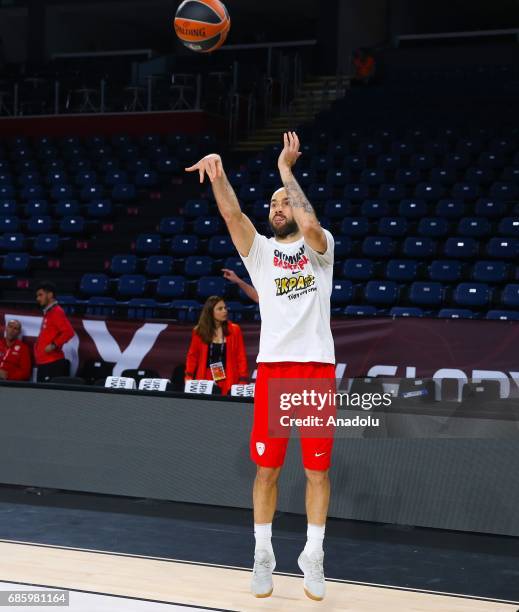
x=288 y=228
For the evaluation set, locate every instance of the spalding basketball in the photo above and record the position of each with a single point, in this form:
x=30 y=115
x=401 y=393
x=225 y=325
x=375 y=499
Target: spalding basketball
x=202 y=25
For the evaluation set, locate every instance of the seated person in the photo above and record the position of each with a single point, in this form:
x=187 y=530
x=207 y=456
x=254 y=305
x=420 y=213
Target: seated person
x=15 y=355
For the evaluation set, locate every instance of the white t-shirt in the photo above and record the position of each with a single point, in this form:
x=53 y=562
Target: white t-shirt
x=294 y=284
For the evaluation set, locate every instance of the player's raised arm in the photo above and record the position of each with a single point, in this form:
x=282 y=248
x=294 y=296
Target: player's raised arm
x=239 y=225
x=304 y=213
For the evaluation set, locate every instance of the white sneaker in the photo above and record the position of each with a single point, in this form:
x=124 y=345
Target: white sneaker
x=312 y=567
x=264 y=565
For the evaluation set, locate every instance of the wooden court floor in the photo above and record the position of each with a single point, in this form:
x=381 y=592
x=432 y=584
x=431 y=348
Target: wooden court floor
x=149 y=583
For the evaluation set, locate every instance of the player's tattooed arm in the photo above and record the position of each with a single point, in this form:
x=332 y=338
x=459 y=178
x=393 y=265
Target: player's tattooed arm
x=240 y=227
x=304 y=213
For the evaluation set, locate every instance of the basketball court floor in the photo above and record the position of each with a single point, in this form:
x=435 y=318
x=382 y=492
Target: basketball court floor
x=133 y=555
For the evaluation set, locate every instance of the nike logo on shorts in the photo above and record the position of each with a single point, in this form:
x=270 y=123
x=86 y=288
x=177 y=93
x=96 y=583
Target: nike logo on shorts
x=320 y=454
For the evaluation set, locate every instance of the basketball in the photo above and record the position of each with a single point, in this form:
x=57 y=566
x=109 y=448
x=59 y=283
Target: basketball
x=202 y=25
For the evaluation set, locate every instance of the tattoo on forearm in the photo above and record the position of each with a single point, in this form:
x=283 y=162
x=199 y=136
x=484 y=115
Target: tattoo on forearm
x=297 y=196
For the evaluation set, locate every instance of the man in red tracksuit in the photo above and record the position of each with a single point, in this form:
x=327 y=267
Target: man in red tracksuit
x=55 y=331
x=15 y=355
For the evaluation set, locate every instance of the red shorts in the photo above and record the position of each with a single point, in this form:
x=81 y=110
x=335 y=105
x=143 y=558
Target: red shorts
x=270 y=452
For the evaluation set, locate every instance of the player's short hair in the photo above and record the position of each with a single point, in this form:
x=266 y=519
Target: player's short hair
x=46 y=286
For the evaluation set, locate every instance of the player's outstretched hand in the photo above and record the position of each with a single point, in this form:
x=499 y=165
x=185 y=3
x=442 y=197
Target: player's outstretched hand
x=212 y=164
x=290 y=153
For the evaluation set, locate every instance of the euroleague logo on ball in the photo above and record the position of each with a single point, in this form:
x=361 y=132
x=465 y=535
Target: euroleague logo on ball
x=202 y=25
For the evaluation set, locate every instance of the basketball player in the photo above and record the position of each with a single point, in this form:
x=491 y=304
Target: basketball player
x=295 y=342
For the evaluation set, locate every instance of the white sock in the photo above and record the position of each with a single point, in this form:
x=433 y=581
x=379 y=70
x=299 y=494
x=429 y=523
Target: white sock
x=263 y=535
x=314 y=539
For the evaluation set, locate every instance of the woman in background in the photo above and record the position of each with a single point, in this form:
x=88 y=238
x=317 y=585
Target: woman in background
x=217 y=350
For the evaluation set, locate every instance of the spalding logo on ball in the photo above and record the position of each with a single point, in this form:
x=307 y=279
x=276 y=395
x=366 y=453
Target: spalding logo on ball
x=202 y=25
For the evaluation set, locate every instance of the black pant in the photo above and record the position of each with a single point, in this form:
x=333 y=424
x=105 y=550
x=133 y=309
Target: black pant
x=48 y=371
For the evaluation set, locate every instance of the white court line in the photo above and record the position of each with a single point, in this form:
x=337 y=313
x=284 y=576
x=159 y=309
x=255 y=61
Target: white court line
x=84 y=601
x=248 y=569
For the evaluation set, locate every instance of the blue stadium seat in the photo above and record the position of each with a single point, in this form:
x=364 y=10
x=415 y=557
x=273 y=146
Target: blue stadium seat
x=132 y=285
x=455 y=313
x=32 y=192
x=450 y=209
x=381 y=292
x=94 y=284
x=186 y=311
x=423 y=161
x=86 y=178
x=491 y=160
x=510 y=174
x=39 y=224
x=373 y=177
x=8 y=208
x=391 y=192
x=123 y=264
x=509 y=226
x=46 y=243
x=67 y=208
x=159 y=265
x=360 y=311
x=148 y=244
x=355 y=226
x=490 y=272
x=207 y=226
x=433 y=227
x=426 y=293
x=337 y=178
x=171 y=287
x=407 y=176
x=474 y=226
x=342 y=292
x=122 y=193
x=167 y=165
x=62 y=192
x=354 y=162
x=12 y=242
x=358 y=269
x=402 y=148
x=170 y=226
x=335 y=209
x=369 y=147
x=388 y=162
x=318 y=193
x=465 y=191
x=236 y=265
x=374 y=208
x=142 y=308
x=304 y=177
x=510 y=295
x=36 y=207
x=457 y=160
x=249 y=193
x=486 y=207
x=479 y=176
x=29 y=178
x=429 y=191
x=502 y=315
x=72 y=225
x=378 y=246
x=238 y=177
x=443 y=176
x=392 y=226
x=92 y=192
x=412 y=209
x=458 y=247
x=472 y=294
x=503 y=248
x=261 y=209
x=235 y=310
x=445 y=270
x=419 y=247
x=406 y=311
x=116 y=176
x=9 y=224
x=503 y=191
x=355 y=192
x=221 y=246
x=100 y=209
x=401 y=270
x=198 y=265
x=184 y=244
x=343 y=246
x=196 y=208
x=210 y=285
x=145 y=179
x=16 y=262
